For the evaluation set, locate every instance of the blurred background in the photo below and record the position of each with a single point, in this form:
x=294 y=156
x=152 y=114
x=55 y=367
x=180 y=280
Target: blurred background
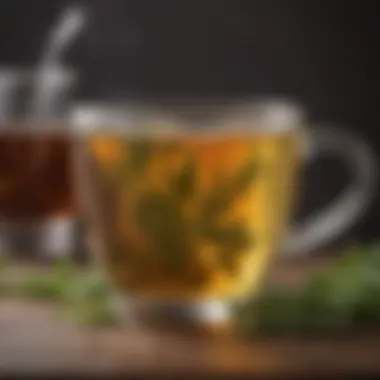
x=322 y=52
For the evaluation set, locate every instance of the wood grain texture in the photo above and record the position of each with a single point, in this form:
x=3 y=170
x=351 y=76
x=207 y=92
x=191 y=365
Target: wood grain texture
x=34 y=339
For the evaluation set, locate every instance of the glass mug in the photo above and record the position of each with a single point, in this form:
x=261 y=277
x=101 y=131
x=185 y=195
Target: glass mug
x=36 y=192
x=190 y=201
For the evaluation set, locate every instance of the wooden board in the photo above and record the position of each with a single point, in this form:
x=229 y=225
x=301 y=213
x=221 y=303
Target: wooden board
x=33 y=339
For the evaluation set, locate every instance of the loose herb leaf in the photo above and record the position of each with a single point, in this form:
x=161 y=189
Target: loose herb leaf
x=38 y=286
x=367 y=311
x=344 y=295
x=3 y=260
x=276 y=312
x=90 y=300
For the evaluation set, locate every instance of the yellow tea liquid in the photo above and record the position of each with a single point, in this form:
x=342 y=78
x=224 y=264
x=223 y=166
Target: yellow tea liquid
x=191 y=217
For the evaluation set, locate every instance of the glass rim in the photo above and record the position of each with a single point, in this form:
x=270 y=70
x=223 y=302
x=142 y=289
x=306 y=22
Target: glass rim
x=34 y=97
x=121 y=102
x=29 y=71
x=277 y=113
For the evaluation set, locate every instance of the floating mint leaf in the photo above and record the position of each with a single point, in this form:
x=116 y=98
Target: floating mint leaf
x=228 y=258
x=226 y=191
x=244 y=178
x=231 y=240
x=216 y=203
x=157 y=214
x=184 y=183
x=159 y=217
x=234 y=237
x=139 y=152
x=135 y=158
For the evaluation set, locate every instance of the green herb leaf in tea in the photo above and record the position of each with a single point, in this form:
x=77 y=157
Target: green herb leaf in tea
x=243 y=179
x=159 y=217
x=139 y=153
x=226 y=191
x=184 y=183
x=235 y=236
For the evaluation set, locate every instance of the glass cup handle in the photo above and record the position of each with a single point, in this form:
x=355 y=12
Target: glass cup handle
x=329 y=224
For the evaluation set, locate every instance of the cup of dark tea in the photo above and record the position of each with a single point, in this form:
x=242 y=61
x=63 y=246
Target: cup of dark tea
x=37 y=202
x=191 y=200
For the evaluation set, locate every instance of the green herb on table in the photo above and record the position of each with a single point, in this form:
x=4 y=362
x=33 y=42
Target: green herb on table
x=90 y=300
x=3 y=264
x=85 y=297
x=345 y=295
x=44 y=286
x=3 y=260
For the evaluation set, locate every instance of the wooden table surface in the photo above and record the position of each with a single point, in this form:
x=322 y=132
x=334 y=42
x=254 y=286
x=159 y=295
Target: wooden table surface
x=33 y=340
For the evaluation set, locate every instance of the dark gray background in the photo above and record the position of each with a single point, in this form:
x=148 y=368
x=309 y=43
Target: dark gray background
x=323 y=52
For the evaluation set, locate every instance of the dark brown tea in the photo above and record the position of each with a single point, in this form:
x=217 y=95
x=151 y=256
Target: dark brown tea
x=35 y=180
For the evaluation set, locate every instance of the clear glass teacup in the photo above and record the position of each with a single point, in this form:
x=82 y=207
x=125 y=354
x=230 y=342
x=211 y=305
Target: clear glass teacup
x=190 y=201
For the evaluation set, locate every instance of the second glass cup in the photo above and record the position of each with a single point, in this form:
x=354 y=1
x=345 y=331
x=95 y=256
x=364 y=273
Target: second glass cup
x=37 y=202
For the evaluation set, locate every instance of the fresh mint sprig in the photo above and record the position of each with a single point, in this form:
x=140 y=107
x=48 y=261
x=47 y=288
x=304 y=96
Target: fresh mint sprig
x=345 y=295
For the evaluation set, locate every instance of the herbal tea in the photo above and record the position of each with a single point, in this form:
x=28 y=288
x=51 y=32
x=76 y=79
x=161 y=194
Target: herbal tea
x=191 y=217
x=35 y=179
